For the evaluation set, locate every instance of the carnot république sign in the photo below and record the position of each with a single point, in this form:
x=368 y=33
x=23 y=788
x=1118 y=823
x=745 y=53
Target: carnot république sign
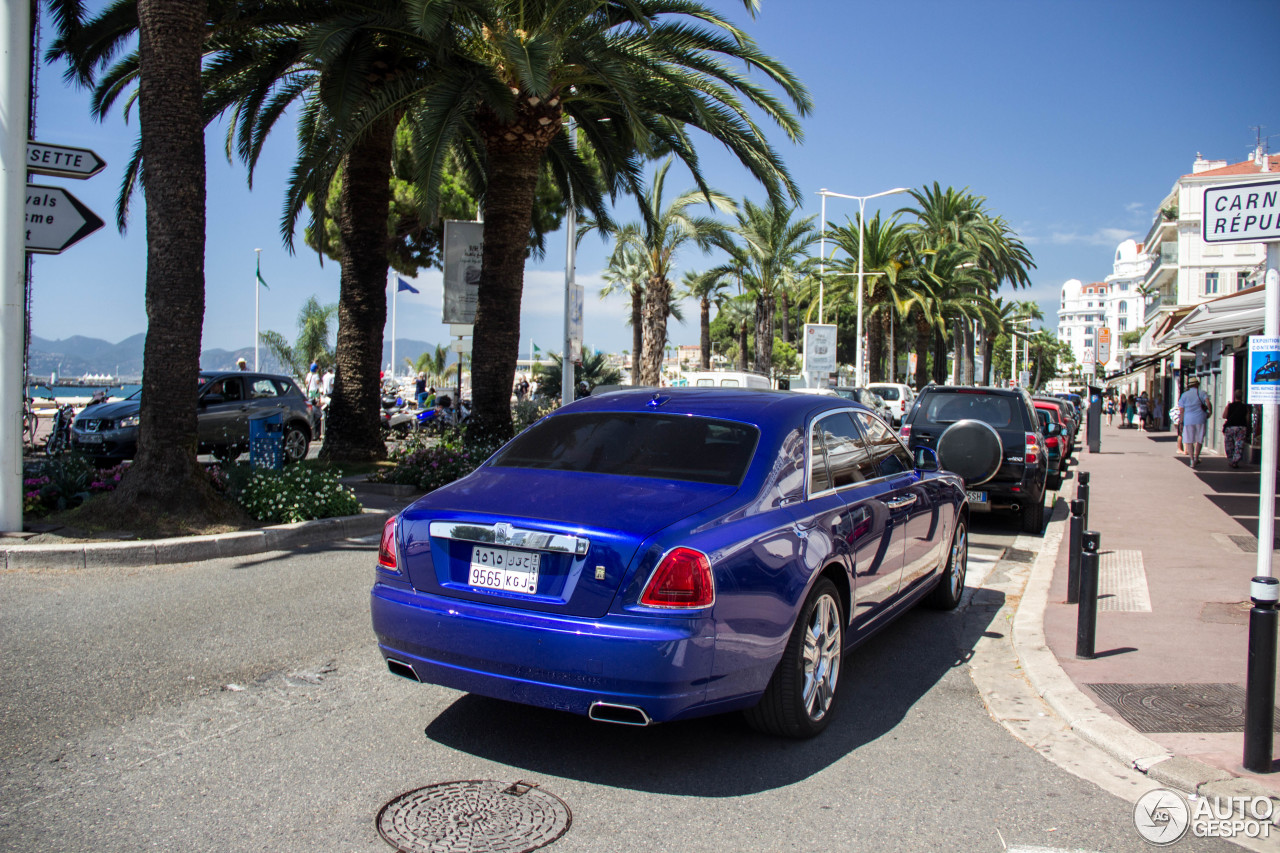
x=1242 y=213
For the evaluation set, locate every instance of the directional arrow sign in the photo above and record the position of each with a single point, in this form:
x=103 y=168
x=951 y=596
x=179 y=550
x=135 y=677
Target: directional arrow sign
x=62 y=161
x=56 y=219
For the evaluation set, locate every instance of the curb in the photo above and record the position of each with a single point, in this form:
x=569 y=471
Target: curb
x=1083 y=716
x=189 y=549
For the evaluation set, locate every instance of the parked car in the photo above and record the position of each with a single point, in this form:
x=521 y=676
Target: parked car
x=991 y=437
x=108 y=432
x=653 y=555
x=1054 y=444
x=898 y=396
x=870 y=399
x=728 y=379
x=1070 y=421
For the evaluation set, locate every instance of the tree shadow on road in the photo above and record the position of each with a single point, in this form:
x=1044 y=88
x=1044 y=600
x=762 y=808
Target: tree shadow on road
x=720 y=756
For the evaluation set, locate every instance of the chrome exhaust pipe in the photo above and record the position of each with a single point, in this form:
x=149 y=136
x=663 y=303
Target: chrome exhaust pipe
x=1015 y=507
x=402 y=669
x=623 y=715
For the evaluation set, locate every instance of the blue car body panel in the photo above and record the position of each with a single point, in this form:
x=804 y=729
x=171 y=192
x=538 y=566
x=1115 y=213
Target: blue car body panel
x=583 y=637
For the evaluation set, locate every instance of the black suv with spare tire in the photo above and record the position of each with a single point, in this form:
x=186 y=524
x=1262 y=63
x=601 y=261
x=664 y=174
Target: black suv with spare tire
x=989 y=436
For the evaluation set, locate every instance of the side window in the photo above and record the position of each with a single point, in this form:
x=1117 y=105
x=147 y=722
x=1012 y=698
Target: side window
x=848 y=460
x=263 y=388
x=887 y=453
x=233 y=388
x=729 y=383
x=819 y=480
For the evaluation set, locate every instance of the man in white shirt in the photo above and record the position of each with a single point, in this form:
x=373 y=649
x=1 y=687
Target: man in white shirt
x=1193 y=409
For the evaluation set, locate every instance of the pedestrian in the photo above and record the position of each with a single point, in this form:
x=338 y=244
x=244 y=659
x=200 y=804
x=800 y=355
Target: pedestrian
x=1175 y=420
x=1144 y=409
x=1110 y=409
x=326 y=383
x=242 y=364
x=1236 y=427
x=429 y=402
x=1130 y=409
x=1120 y=408
x=420 y=390
x=1193 y=412
x=313 y=384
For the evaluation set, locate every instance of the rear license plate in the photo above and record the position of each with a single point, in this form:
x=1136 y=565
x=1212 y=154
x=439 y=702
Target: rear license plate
x=976 y=497
x=90 y=439
x=509 y=571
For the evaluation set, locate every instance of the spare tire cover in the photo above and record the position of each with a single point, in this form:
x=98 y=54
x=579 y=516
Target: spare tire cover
x=971 y=449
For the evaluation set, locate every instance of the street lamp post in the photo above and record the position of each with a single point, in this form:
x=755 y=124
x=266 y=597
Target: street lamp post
x=859 y=377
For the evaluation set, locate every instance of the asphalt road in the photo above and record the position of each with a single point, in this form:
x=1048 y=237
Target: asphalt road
x=241 y=705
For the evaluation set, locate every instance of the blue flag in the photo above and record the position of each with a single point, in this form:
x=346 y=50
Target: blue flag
x=262 y=281
x=401 y=285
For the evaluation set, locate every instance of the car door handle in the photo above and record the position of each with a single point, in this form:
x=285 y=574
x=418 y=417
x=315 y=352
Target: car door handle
x=901 y=502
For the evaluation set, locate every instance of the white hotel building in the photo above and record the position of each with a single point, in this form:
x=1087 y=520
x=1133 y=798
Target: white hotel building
x=1115 y=304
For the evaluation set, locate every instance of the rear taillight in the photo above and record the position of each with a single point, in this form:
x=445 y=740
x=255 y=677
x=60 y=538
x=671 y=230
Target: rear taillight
x=1032 y=452
x=904 y=433
x=1051 y=441
x=682 y=579
x=387 y=547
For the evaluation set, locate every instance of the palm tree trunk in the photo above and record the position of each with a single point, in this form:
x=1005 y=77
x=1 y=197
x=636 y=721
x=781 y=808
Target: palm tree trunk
x=704 y=327
x=969 y=366
x=922 y=350
x=742 y=346
x=875 y=348
x=784 y=309
x=165 y=481
x=939 y=355
x=988 y=351
x=764 y=334
x=637 y=332
x=656 y=299
x=354 y=431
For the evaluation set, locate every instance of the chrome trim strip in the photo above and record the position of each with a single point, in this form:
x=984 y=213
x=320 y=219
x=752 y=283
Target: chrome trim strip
x=505 y=535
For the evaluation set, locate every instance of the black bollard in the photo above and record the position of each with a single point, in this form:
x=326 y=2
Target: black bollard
x=1087 y=615
x=1082 y=494
x=1073 y=551
x=1260 y=683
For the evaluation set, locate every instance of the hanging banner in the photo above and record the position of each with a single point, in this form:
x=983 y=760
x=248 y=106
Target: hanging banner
x=463 y=253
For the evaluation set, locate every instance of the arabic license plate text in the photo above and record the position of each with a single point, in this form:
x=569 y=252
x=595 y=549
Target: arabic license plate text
x=503 y=569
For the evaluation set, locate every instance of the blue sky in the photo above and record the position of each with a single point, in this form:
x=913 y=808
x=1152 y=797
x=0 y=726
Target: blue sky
x=1073 y=119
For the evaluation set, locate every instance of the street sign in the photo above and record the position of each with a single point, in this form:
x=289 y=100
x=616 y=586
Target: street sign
x=1264 y=370
x=62 y=161
x=1242 y=213
x=56 y=219
x=1104 y=345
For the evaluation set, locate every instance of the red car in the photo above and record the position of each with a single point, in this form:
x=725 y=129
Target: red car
x=1056 y=442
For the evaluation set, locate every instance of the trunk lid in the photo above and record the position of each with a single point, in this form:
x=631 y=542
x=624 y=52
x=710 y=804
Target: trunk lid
x=570 y=536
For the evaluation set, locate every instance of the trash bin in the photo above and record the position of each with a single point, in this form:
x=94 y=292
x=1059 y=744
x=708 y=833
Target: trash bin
x=266 y=440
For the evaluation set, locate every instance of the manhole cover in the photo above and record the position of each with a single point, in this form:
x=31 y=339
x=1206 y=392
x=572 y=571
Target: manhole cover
x=1203 y=708
x=474 y=817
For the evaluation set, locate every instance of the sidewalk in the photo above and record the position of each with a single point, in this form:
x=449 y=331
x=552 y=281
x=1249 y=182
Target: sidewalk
x=379 y=502
x=1177 y=549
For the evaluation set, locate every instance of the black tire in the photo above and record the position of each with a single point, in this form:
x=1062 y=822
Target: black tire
x=296 y=444
x=1054 y=482
x=801 y=696
x=1033 y=516
x=950 y=589
x=972 y=449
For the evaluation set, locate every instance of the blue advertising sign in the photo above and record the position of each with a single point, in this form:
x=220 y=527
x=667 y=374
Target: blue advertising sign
x=1264 y=370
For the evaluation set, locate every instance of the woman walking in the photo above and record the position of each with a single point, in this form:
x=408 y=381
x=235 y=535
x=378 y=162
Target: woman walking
x=1235 y=430
x=1194 y=415
x=1110 y=409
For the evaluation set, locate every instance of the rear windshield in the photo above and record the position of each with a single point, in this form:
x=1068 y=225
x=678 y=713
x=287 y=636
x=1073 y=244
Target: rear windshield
x=629 y=444
x=887 y=393
x=949 y=408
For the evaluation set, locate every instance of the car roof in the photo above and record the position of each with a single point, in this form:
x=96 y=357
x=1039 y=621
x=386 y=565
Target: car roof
x=765 y=408
x=214 y=374
x=974 y=389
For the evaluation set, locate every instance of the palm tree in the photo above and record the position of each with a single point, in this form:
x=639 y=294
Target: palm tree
x=433 y=364
x=665 y=229
x=884 y=257
x=634 y=76
x=165 y=481
x=312 y=345
x=771 y=245
x=708 y=288
x=594 y=370
x=626 y=273
x=738 y=312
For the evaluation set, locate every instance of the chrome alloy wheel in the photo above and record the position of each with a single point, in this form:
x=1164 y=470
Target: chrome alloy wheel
x=959 y=561
x=821 y=656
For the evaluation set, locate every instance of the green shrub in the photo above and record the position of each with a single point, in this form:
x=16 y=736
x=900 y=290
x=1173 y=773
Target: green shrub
x=429 y=462
x=297 y=493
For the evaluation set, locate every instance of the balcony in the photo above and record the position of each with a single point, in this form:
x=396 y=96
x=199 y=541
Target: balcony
x=1164 y=267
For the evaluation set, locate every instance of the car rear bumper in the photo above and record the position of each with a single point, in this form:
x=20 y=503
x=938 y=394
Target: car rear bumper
x=660 y=665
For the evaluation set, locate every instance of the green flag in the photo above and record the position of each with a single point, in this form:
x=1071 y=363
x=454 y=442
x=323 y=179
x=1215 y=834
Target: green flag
x=262 y=281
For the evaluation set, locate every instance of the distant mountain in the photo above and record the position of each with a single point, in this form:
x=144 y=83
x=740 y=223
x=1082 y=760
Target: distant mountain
x=78 y=355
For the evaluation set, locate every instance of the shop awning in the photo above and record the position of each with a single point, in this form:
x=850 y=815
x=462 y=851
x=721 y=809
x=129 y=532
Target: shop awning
x=1225 y=317
x=1142 y=364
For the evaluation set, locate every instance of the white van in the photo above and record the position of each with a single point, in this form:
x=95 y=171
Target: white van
x=727 y=379
x=899 y=397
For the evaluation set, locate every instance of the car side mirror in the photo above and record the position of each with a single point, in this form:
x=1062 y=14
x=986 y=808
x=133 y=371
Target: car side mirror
x=1052 y=429
x=926 y=459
